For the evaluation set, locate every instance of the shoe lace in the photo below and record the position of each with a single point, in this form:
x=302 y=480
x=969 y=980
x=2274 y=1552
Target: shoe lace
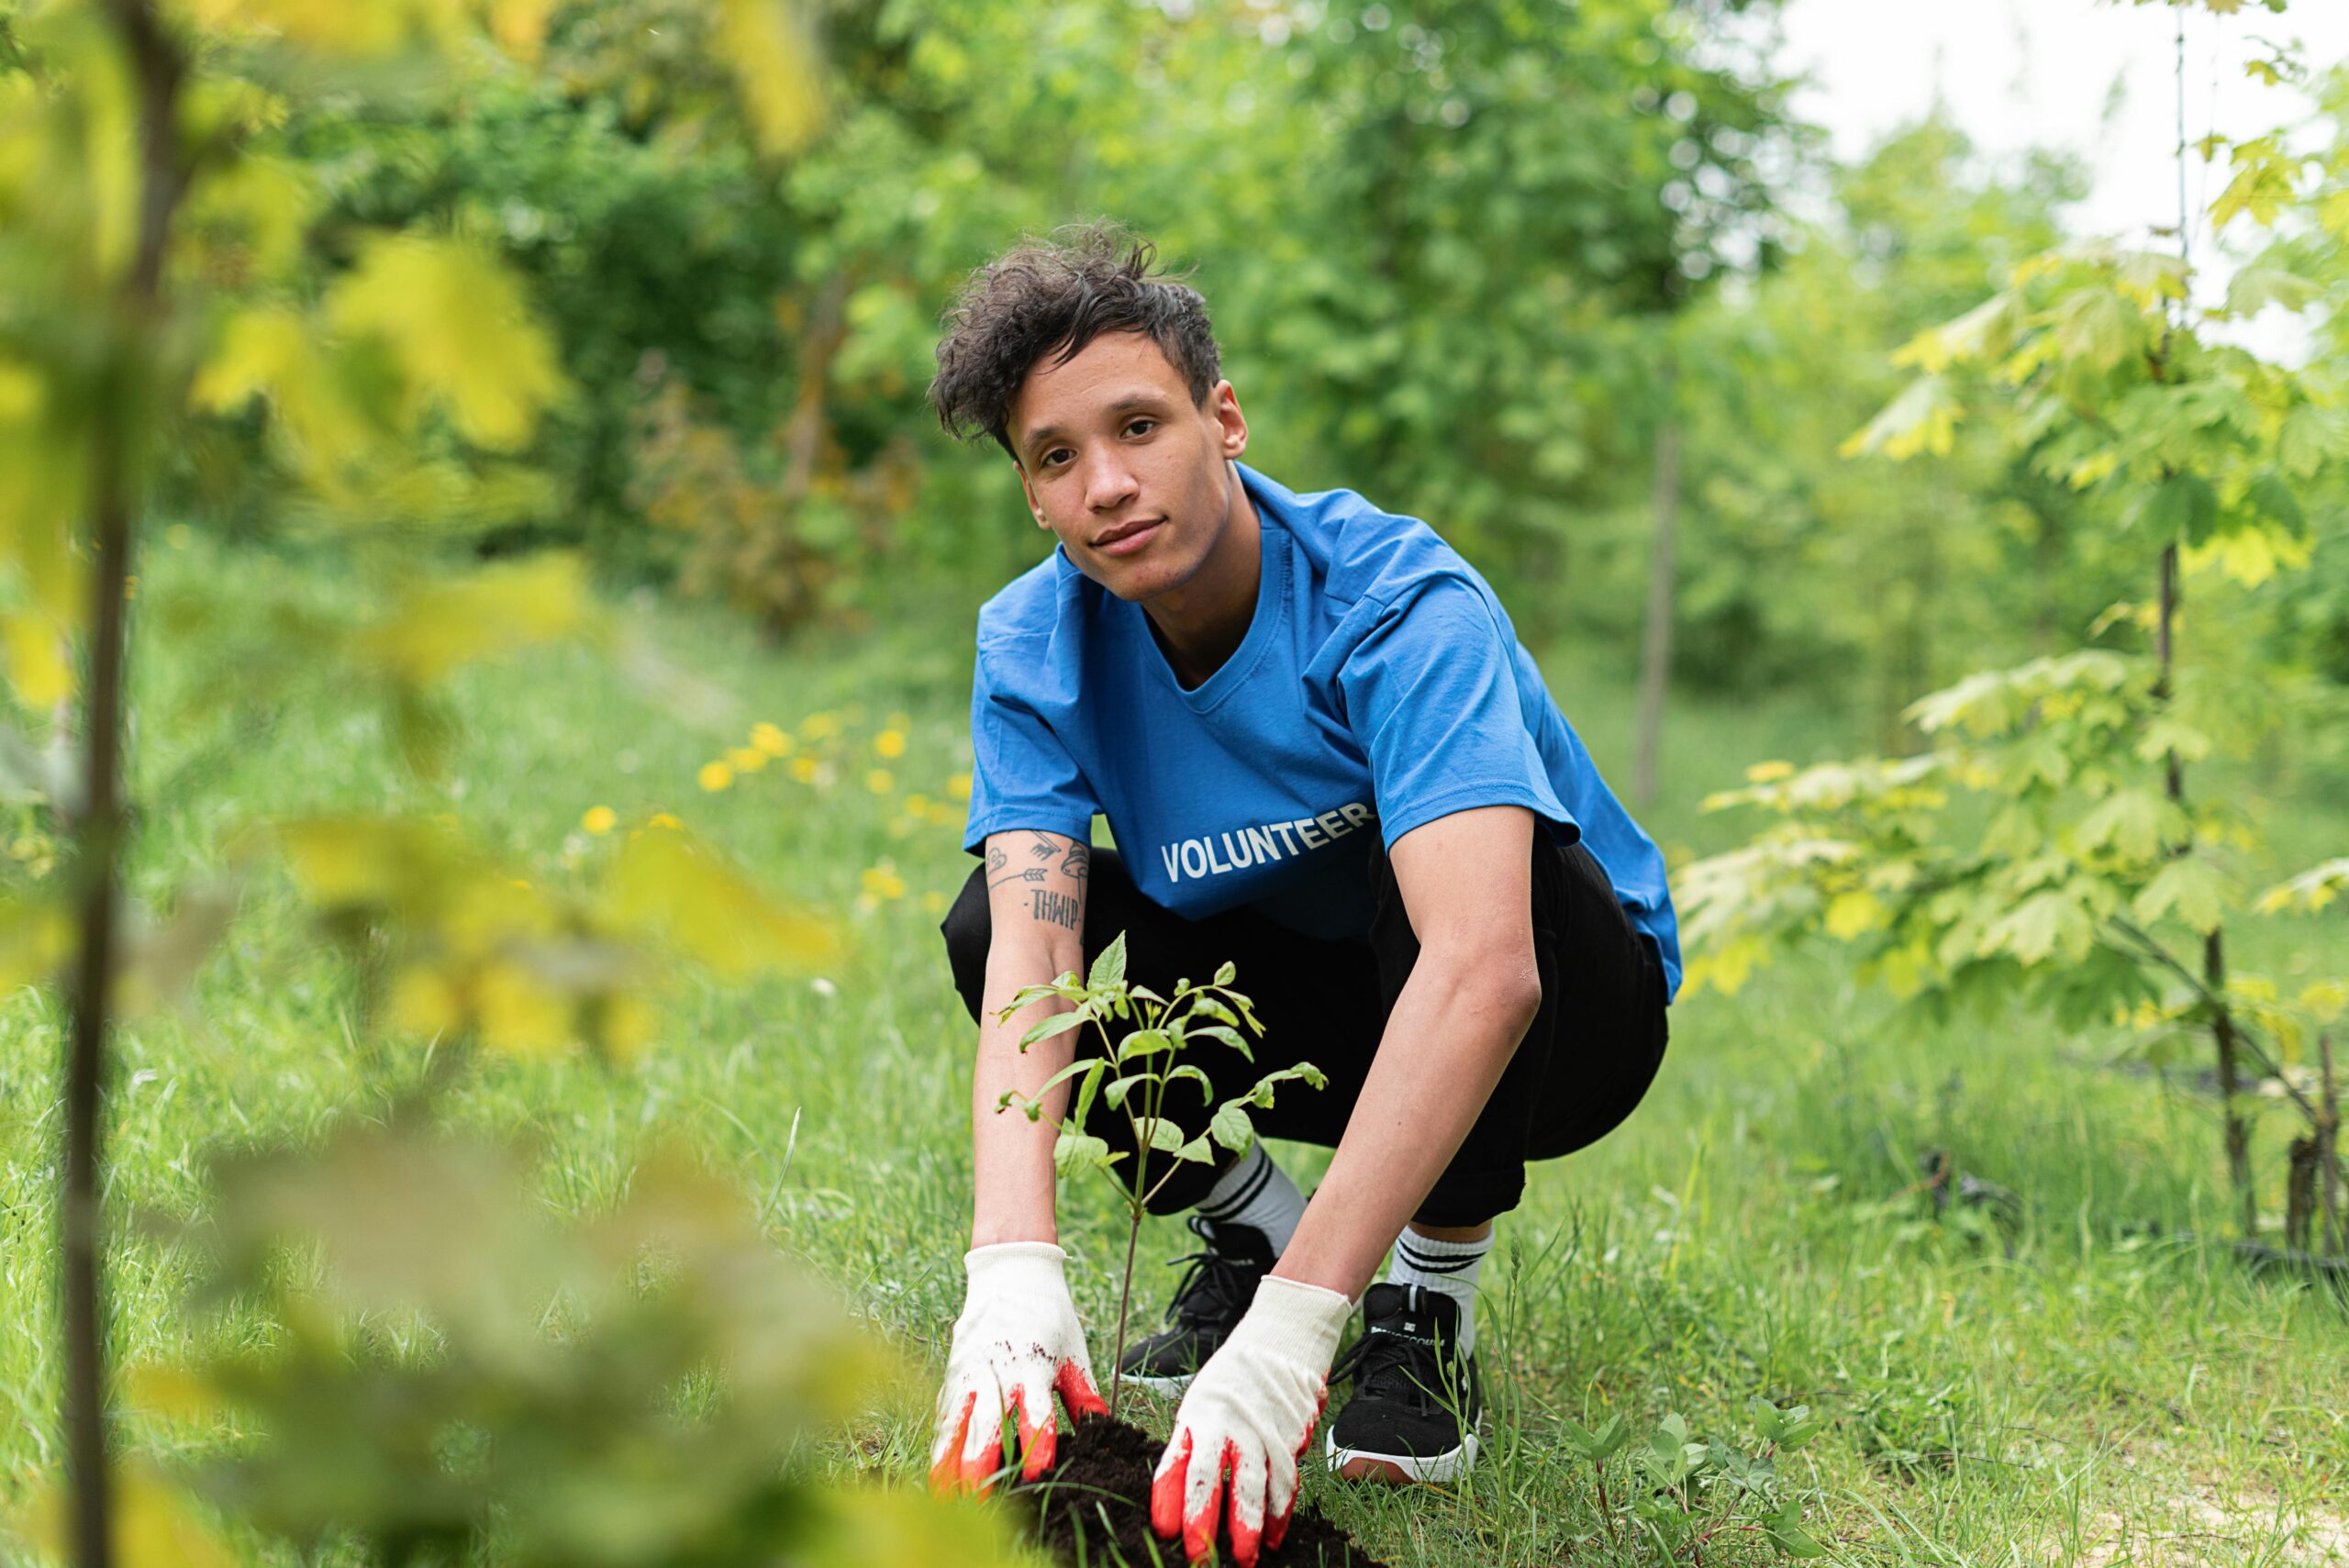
x=1218 y=1286
x=1388 y=1364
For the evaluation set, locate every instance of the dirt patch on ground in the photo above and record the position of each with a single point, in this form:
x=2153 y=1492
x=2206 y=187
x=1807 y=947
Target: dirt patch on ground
x=1098 y=1493
x=2199 y=1528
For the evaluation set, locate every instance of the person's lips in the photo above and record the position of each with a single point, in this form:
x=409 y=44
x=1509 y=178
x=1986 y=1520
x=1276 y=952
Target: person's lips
x=1127 y=537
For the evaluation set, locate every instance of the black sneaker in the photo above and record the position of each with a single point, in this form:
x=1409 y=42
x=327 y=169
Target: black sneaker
x=1417 y=1405
x=1208 y=1306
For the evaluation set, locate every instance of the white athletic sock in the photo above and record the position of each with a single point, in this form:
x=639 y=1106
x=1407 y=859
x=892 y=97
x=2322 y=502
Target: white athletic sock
x=1448 y=1267
x=1257 y=1192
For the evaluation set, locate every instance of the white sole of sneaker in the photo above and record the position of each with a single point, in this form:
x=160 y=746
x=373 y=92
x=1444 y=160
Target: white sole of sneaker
x=1401 y=1469
x=1166 y=1386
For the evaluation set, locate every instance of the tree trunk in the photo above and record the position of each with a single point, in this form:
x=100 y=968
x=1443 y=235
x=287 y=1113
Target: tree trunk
x=1655 y=645
x=117 y=457
x=2215 y=951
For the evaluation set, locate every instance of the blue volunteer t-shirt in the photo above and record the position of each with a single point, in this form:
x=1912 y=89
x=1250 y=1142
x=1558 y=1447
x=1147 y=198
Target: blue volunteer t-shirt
x=1380 y=687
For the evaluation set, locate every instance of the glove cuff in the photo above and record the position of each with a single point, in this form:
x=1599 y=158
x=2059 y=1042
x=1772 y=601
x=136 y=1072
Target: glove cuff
x=1017 y=1266
x=1296 y=1319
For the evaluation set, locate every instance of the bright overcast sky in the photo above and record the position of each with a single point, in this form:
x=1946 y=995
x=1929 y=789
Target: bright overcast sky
x=2097 y=79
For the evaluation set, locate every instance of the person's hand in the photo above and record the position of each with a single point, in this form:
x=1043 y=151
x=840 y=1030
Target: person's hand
x=1246 y=1419
x=1016 y=1341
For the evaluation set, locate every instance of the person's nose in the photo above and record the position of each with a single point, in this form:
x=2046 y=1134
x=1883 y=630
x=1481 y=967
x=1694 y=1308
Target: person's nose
x=1109 y=482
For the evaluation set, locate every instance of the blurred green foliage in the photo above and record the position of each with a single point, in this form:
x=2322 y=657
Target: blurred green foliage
x=1436 y=242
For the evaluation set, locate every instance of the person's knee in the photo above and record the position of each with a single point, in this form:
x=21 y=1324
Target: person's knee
x=1464 y=1200
x=968 y=929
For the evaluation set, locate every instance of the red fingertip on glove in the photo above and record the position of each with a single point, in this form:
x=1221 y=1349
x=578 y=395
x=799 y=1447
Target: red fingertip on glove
x=978 y=1469
x=1038 y=1440
x=945 y=1476
x=1078 y=1393
x=1245 y=1536
x=1166 y=1494
x=1199 y=1530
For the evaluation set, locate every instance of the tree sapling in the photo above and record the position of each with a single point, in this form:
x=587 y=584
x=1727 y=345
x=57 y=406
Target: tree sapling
x=1146 y=1065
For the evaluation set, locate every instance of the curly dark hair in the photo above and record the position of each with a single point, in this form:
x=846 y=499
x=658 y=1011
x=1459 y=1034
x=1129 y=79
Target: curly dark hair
x=1051 y=297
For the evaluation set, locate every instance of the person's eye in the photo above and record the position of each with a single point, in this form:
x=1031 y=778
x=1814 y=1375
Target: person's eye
x=1144 y=424
x=1046 y=460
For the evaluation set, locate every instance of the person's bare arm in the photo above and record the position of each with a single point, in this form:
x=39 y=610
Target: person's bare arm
x=1036 y=886
x=1467 y=884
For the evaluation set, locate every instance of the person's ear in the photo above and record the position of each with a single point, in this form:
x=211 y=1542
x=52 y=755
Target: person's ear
x=1029 y=491
x=1223 y=407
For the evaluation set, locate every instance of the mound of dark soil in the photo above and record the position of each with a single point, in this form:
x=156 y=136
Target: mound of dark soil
x=1099 y=1491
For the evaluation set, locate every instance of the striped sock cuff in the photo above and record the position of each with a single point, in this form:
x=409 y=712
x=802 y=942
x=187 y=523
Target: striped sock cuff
x=1239 y=1187
x=1418 y=1254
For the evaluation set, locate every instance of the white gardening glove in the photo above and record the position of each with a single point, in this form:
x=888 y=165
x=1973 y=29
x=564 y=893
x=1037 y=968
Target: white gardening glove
x=1248 y=1416
x=1016 y=1340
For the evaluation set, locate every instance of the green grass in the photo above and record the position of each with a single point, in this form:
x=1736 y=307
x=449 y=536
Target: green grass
x=2109 y=1392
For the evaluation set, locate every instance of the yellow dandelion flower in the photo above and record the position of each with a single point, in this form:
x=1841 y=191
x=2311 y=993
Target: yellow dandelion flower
x=918 y=805
x=883 y=881
x=880 y=781
x=804 y=768
x=890 y=743
x=771 y=739
x=819 y=726
x=934 y=902
x=959 y=786
x=663 y=819
x=747 y=759
x=599 y=818
x=715 y=776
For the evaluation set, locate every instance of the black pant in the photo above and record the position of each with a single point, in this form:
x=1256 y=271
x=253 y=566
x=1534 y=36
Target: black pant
x=1585 y=1061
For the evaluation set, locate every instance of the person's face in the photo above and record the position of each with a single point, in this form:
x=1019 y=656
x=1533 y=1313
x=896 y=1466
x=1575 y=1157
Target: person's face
x=1118 y=461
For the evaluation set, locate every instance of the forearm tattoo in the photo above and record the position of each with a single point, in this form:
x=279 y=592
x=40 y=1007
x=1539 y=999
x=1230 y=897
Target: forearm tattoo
x=1044 y=856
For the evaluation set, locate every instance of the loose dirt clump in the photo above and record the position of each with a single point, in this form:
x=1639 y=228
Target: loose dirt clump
x=1098 y=1491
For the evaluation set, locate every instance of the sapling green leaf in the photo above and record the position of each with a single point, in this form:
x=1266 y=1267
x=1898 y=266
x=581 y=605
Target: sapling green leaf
x=1226 y=1035
x=1231 y=1128
x=1163 y=1135
x=1073 y=1151
x=1225 y=975
x=1059 y=1023
x=1197 y=1149
x=1144 y=1042
x=1261 y=1095
x=1082 y=1065
x=1085 y=1090
x=1114 y=1097
x=1109 y=969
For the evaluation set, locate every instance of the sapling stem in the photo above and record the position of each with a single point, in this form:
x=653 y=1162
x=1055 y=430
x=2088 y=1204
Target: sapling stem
x=1125 y=1301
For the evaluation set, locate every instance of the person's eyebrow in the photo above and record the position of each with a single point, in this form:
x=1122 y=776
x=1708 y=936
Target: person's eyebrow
x=1125 y=404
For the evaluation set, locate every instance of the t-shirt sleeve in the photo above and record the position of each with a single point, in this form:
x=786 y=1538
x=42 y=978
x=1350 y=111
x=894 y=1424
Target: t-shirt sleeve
x=1432 y=695
x=1021 y=774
